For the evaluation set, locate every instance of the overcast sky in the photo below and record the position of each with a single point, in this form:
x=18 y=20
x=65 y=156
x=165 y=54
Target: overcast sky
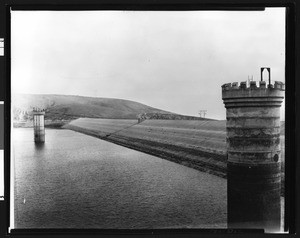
x=175 y=61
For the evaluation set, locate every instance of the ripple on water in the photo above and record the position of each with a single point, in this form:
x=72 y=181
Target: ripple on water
x=78 y=181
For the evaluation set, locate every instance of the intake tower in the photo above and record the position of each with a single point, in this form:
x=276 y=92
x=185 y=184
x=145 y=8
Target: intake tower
x=253 y=147
x=38 y=125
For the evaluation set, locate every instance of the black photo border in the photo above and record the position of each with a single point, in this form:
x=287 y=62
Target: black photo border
x=292 y=138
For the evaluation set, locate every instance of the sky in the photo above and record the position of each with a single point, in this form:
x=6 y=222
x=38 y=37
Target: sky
x=172 y=60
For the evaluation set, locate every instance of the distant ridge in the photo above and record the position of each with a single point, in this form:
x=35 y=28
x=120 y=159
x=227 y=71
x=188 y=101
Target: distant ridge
x=67 y=107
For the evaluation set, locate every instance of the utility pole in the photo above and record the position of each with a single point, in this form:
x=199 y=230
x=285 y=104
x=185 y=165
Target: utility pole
x=204 y=112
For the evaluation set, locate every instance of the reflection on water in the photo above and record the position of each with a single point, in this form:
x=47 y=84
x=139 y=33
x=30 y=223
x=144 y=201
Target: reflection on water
x=39 y=146
x=77 y=181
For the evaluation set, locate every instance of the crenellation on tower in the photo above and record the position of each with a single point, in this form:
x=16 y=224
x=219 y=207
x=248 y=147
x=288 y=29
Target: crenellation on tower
x=253 y=95
x=243 y=85
x=262 y=84
x=254 y=153
x=279 y=85
x=253 y=85
x=235 y=85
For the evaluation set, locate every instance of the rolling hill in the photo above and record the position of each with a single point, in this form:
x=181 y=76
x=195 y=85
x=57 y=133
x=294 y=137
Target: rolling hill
x=66 y=107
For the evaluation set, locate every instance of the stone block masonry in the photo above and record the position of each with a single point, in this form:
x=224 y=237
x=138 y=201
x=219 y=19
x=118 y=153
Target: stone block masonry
x=39 y=126
x=253 y=150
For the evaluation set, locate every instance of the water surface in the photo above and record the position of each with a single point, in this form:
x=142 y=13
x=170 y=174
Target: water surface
x=78 y=181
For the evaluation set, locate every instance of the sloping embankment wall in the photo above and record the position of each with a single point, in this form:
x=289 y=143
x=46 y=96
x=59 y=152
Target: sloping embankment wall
x=197 y=144
x=191 y=143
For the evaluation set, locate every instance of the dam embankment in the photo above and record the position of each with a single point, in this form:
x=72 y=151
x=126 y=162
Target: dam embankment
x=197 y=144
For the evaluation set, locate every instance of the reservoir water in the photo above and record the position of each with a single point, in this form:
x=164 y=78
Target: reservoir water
x=78 y=181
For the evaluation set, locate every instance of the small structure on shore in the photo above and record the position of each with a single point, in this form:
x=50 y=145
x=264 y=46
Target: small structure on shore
x=39 y=125
x=254 y=160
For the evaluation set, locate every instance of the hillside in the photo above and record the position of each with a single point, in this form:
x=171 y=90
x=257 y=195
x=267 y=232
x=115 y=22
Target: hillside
x=65 y=107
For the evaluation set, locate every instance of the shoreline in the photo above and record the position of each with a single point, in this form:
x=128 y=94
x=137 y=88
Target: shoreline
x=57 y=124
x=211 y=163
x=189 y=156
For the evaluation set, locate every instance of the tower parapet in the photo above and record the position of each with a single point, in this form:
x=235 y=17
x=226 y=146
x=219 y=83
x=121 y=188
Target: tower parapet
x=253 y=94
x=253 y=148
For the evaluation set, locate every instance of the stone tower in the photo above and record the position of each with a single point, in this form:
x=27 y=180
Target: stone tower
x=39 y=126
x=253 y=147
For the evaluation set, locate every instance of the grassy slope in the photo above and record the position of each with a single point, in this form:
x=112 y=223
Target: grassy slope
x=60 y=107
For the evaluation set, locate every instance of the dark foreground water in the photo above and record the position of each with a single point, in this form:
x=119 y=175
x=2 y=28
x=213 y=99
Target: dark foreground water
x=78 y=181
